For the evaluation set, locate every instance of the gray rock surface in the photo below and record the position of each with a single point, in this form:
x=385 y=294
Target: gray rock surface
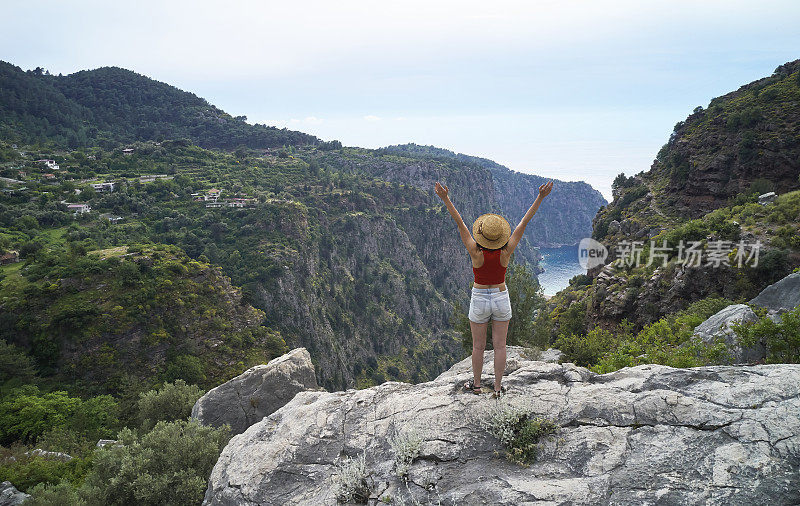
x=781 y=296
x=515 y=356
x=10 y=496
x=767 y=198
x=48 y=454
x=720 y=325
x=648 y=434
x=257 y=392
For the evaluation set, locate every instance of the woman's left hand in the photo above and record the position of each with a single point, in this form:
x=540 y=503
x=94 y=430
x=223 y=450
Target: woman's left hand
x=442 y=191
x=544 y=190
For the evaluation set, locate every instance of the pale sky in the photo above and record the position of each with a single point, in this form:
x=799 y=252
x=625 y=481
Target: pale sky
x=574 y=90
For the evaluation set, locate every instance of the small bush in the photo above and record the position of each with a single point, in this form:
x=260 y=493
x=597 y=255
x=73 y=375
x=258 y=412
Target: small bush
x=406 y=446
x=512 y=424
x=169 y=465
x=586 y=350
x=782 y=339
x=25 y=471
x=350 y=480
x=60 y=494
x=26 y=413
x=174 y=401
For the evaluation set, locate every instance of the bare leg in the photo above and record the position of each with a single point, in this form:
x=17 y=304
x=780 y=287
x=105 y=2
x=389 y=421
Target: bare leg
x=478 y=345
x=499 y=333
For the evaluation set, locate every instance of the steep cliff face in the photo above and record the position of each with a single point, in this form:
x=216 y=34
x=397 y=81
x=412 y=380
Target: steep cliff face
x=746 y=140
x=716 y=434
x=703 y=186
x=362 y=301
x=563 y=219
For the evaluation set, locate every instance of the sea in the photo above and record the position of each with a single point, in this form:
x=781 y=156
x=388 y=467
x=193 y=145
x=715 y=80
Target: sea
x=560 y=265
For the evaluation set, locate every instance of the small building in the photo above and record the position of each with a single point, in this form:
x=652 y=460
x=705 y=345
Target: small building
x=127 y=151
x=79 y=208
x=9 y=257
x=103 y=187
x=211 y=195
x=49 y=176
x=51 y=164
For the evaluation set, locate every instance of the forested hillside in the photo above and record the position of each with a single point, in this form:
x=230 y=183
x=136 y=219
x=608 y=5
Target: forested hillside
x=365 y=271
x=703 y=187
x=110 y=106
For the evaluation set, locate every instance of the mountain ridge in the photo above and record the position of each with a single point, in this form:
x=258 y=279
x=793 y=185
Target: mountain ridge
x=109 y=106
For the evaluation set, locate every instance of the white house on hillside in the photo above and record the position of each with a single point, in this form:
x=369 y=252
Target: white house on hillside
x=103 y=187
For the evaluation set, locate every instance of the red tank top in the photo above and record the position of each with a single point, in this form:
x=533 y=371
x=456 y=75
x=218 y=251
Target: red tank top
x=491 y=272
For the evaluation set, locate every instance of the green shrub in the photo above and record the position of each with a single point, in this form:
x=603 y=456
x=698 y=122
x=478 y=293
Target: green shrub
x=511 y=422
x=782 y=339
x=26 y=414
x=174 y=401
x=169 y=465
x=667 y=341
x=351 y=480
x=26 y=471
x=406 y=446
x=585 y=350
x=60 y=494
x=15 y=363
x=186 y=367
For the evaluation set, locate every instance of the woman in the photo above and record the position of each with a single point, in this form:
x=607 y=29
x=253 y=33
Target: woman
x=490 y=251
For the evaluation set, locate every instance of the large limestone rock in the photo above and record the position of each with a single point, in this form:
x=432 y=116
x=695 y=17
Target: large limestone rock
x=781 y=296
x=10 y=496
x=720 y=325
x=648 y=434
x=257 y=392
x=515 y=357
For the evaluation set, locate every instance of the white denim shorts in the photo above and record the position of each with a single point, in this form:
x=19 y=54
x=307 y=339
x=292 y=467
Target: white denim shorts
x=489 y=303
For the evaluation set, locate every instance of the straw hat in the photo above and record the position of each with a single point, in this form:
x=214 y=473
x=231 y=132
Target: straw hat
x=491 y=231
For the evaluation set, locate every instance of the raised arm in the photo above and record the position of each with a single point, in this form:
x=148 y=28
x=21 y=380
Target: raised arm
x=516 y=236
x=466 y=237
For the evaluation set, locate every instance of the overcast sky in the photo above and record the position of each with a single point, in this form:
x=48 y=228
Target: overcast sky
x=569 y=90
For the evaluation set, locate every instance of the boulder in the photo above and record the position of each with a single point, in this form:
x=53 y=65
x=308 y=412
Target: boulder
x=781 y=296
x=257 y=392
x=515 y=357
x=720 y=325
x=649 y=434
x=10 y=496
x=767 y=198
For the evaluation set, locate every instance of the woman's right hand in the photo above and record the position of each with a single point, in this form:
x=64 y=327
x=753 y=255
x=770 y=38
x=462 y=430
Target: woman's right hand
x=442 y=191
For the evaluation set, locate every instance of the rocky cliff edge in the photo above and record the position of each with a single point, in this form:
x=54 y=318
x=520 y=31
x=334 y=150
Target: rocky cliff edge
x=648 y=434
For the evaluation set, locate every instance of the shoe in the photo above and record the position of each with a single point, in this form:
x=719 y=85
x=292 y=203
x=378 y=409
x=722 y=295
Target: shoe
x=499 y=393
x=470 y=387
